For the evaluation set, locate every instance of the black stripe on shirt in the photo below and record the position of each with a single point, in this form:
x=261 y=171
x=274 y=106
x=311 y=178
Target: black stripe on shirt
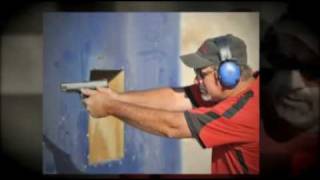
x=193 y=129
x=197 y=121
x=239 y=105
x=242 y=162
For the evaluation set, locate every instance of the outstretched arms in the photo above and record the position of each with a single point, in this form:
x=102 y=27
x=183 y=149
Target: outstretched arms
x=104 y=102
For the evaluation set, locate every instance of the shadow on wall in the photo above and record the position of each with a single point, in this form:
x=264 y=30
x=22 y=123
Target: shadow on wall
x=63 y=162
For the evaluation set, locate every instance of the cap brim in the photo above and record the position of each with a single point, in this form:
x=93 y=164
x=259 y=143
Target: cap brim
x=195 y=61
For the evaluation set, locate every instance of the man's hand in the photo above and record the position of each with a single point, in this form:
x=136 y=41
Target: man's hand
x=99 y=101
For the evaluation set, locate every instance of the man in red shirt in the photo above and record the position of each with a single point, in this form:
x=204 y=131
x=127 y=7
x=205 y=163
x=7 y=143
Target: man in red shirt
x=221 y=110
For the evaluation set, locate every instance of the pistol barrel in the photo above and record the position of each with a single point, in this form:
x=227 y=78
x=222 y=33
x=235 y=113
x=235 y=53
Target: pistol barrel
x=78 y=86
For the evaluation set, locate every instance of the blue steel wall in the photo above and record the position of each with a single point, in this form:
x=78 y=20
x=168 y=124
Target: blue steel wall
x=145 y=46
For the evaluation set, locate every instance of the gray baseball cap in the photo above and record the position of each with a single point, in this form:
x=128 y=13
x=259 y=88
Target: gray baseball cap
x=209 y=52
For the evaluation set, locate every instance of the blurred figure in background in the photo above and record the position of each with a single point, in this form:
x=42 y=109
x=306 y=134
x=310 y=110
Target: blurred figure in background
x=290 y=99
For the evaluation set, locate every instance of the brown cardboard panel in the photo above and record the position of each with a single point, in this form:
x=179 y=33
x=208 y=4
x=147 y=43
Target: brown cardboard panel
x=106 y=135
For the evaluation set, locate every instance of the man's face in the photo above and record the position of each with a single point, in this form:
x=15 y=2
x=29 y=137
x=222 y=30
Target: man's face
x=295 y=97
x=209 y=87
x=293 y=80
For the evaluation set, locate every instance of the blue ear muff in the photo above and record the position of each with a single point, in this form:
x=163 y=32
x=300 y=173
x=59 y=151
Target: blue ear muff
x=229 y=73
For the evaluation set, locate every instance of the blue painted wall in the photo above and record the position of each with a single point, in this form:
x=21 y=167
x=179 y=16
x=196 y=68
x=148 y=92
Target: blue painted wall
x=145 y=46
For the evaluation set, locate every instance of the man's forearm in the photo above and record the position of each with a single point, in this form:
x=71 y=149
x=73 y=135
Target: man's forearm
x=162 y=98
x=159 y=122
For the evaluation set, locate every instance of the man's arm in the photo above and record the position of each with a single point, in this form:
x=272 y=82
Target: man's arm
x=166 y=123
x=155 y=121
x=171 y=99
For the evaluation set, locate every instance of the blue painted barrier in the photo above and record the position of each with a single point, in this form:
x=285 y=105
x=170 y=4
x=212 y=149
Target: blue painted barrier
x=145 y=46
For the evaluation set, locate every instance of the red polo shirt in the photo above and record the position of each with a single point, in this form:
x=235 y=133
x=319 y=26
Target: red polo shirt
x=230 y=128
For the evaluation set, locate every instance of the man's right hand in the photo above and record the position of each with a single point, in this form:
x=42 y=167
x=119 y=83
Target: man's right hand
x=98 y=101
